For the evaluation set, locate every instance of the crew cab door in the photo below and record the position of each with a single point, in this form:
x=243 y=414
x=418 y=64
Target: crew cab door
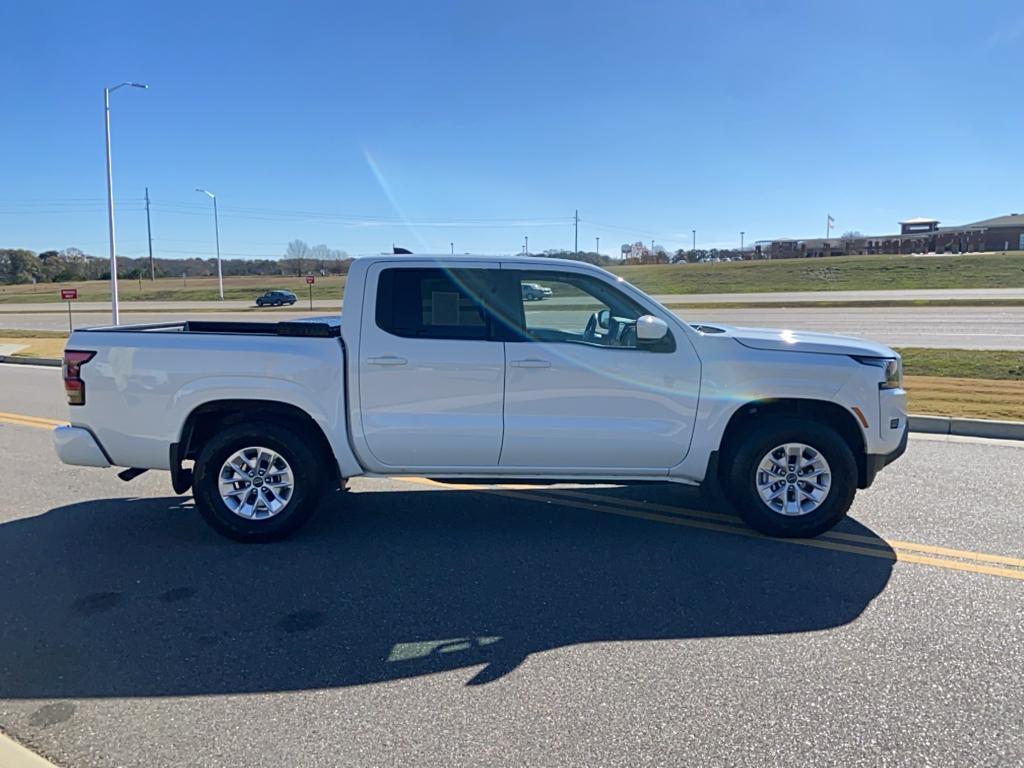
x=581 y=392
x=430 y=377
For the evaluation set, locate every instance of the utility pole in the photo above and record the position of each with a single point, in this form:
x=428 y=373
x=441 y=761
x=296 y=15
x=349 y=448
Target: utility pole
x=597 y=245
x=453 y=248
x=741 y=243
x=576 y=230
x=149 y=234
x=526 y=246
x=695 y=242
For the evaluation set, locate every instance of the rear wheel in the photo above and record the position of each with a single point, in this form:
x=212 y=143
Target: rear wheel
x=792 y=478
x=257 y=482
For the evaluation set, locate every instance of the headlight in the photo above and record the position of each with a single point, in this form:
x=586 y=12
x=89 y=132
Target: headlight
x=892 y=368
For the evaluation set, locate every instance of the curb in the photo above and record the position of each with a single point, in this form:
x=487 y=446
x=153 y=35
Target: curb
x=31 y=360
x=948 y=425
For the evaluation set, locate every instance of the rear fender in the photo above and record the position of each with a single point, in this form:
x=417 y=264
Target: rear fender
x=331 y=419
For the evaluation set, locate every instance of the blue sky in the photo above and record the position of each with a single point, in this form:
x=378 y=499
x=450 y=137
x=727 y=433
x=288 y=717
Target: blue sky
x=422 y=123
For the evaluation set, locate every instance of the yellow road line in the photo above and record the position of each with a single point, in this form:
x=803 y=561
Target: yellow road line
x=902 y=551
x=838 y=535
x=818 y=543
x=13 y=755
x=30 y=421
x=713 y=521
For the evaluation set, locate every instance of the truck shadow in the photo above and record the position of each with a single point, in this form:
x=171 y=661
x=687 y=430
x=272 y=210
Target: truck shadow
x=136 y=597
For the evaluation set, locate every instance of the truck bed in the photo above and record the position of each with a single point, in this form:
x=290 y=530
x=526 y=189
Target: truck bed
x=322 y=327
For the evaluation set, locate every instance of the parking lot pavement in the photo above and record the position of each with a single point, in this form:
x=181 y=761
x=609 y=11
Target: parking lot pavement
x=419 y=624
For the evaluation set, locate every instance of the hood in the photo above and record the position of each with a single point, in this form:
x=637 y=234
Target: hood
x=779 y=340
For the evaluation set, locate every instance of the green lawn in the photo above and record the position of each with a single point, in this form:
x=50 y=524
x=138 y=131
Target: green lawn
x=847 y=273
x=963 y=363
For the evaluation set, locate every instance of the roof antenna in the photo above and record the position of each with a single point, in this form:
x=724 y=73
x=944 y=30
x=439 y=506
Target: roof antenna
x=396 y=250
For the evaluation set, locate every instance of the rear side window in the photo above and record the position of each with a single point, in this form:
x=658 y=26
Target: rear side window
x=431 y=303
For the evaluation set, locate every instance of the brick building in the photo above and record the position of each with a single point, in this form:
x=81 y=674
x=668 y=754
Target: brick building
x=920 y=235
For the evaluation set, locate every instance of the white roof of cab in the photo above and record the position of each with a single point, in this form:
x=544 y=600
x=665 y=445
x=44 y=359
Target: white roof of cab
x=447 y=258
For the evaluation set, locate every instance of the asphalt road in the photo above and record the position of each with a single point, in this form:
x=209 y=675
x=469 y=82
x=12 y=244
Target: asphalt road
x=679 y=298
x=944 y=327
x=413 y=624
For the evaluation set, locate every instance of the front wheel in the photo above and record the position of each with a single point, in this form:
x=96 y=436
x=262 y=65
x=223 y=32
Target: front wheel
x=792 y=478
x=257 y=481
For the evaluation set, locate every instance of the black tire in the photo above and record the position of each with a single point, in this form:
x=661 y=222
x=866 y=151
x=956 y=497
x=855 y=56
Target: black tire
x=293 y=447
x=259 y=302
x=740 y=474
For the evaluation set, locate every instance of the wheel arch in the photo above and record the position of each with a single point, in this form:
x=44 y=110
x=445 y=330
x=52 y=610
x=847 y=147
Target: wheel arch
x=841 y=419
x=207 y=419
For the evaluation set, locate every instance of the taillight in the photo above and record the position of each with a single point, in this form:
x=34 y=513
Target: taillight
x=74 y=387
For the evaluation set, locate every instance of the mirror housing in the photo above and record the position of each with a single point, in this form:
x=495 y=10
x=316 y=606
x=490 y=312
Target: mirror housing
x=604 y=319
x=650 y=329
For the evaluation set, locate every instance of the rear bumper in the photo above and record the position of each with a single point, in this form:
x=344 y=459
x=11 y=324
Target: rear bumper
x=876 y=462
x=77 y=445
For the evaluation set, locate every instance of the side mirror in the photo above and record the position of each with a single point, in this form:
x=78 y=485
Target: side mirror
x=650 y=328
x=603 y=318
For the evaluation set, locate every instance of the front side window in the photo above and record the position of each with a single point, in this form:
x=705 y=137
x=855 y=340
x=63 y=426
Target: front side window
x=572 y=308
x=433 y=303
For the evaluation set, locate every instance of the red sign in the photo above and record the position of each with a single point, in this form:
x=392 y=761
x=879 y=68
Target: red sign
x=67 y=294
x=310 y=279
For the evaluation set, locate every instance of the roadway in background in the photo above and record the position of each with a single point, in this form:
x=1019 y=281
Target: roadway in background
x=944 y=327
x=959 y=294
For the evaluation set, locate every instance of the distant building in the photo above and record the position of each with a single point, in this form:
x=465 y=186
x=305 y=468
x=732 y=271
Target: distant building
x=918 y=226
x=920 y=235
x=635 y=253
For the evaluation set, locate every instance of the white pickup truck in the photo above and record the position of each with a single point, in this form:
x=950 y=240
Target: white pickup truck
x=440 y=367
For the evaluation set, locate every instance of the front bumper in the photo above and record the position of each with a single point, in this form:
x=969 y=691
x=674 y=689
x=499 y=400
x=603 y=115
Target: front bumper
x=876 y=462
x=77 y=445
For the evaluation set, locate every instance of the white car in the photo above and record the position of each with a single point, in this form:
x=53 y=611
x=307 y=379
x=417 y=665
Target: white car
x=438 y=369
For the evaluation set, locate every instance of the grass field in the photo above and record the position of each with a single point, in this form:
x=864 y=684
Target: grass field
x=968 y=398
x=988 y=270
x=848 y=273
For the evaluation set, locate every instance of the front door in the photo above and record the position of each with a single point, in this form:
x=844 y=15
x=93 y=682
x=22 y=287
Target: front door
x=430 y=377
x=582 y=393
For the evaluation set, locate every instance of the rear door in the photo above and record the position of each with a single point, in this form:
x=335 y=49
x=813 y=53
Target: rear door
x=431 y=377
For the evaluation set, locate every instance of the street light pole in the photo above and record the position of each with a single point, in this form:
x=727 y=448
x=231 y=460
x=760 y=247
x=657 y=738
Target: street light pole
x=597 y=245
x=115 y=313
x=741 y=243
x=453 y=248
x=216 y=232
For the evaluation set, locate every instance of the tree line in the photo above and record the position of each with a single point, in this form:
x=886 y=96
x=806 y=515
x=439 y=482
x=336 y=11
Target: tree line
x=20 y=266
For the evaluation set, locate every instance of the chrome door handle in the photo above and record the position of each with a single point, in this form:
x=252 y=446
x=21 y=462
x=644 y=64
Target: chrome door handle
x=387 y=360
x=530 y=363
